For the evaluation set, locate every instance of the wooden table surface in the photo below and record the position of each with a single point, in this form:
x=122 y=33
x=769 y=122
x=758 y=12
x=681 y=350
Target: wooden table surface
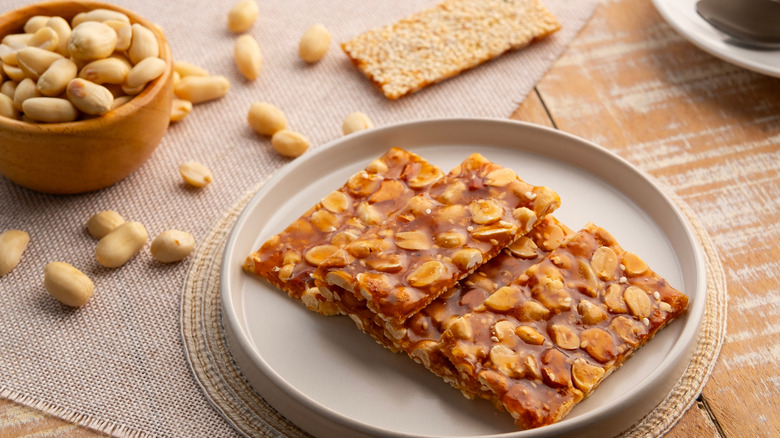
x=707 y=128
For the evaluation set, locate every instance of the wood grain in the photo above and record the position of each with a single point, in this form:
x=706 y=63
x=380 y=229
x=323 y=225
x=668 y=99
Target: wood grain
x=711 y=131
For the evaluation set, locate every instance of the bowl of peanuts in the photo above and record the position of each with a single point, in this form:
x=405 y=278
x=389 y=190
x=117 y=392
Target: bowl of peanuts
x=85 y=94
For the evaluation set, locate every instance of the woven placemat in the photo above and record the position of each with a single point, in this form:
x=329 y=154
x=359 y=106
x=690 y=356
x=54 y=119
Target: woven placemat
x=232 y=396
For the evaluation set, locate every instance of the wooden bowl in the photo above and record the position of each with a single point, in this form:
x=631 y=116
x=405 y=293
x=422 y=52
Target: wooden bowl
x=93 y=153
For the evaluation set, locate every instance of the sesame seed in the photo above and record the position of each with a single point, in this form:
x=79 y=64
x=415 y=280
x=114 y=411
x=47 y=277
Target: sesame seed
x=440 y=42
x=656 y=295
x=623 y=280
x=646 y=322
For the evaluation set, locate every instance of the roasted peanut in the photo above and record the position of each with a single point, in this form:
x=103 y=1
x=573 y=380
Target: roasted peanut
x=144 y=72
x=124 y=33
x=34 y=61
x=121 y=244
x=67 y=284
x=56 y=78
x=61 y=27
x=35 y=22
x=354 y=122
x=12 y=246
x=91 y=40
x=121 y=100
x=172 y=245
x=44 y=38
x=8 y=88
x=314 y=43
x=180 y=109
x=14 y=73
x=7 y=108
x=143 y=45
x=248 y=57
x=88 y=97
x=99 y=14
x=266 y=119
x=185 y=69
x=242 y=15
x=25 y=90
x=198 y=89
x=49 y=109
x=112 y=70
x=195 y=174
x=103 y=223
x=289 y=143
x=427 y=273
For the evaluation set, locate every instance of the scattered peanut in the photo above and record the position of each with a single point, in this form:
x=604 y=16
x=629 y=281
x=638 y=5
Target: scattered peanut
x=195 y=174
x=198 y=89
x=180 y=109
x=185 y=69
x=356 y=121
x=172 y=245
x=266 y=119
x=121 y=244
x=289 y=143
x=12 y=246
x=103 y=223
x=247 y=55
x=314 y=43
x=67 y=284
x=242 y=16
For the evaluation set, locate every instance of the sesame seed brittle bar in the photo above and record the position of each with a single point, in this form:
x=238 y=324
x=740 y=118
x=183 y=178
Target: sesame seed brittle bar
x=543 y=343
x=439 y=237
x=288 y=259
x=445 y=40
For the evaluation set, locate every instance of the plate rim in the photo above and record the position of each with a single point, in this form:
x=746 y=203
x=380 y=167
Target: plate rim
x=341 y=420
x=734 y=54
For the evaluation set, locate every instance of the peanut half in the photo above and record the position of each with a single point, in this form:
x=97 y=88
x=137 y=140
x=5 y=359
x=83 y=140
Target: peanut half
x=172 y=245
x=248 y=57
x=266 y=119
x=196 y=174
x=121 y=244
x=242 y=16
x=103 y=223
x=289 y=143
x=67 y=284
x=356 y=121
x=12 y=246
x=314 y=43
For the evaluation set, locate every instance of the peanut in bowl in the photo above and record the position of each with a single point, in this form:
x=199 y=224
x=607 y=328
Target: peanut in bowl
x=92 y=151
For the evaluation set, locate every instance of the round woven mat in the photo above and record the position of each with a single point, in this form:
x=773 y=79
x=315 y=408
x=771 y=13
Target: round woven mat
x=230 y=393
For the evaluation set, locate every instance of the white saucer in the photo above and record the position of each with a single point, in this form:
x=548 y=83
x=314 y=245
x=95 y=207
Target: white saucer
x=682 y=16
x=330 y=379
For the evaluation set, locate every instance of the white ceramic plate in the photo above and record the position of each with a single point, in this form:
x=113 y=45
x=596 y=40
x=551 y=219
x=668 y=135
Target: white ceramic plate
x=682 y=16
x=332 y=380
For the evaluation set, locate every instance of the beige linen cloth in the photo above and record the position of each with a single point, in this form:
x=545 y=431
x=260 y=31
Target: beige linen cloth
x=118 y=363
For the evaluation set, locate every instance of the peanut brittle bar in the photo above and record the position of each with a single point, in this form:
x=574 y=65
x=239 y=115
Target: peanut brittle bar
x=440 y=42
x=541 y=344
x=422 y=333
x=288 y=259
x=436 y=239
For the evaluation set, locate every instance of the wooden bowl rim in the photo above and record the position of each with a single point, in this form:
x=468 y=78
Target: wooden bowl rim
x=112 y=117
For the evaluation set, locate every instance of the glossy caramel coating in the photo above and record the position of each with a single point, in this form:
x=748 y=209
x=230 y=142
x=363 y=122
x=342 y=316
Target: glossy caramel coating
x=544 y=342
